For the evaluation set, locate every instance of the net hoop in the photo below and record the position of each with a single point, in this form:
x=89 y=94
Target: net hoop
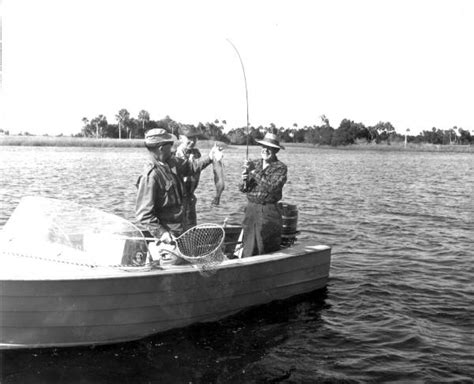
x=202 y=246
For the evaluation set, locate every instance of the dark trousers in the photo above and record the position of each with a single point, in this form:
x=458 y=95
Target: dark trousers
x=262 y=229
x=190 y=217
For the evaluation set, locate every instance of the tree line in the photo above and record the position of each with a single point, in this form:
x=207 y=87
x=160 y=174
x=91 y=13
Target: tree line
x=348 y=131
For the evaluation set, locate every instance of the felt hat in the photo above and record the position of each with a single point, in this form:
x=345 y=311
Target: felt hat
x=270 y=140
x=158 y=136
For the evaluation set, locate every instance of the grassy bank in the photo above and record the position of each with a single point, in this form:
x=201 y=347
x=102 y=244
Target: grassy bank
x=394 y=147
x=47 y=141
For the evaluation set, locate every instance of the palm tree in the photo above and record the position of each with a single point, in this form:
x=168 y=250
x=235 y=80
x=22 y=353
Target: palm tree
x=85 y=128
x=295 y=128
x=100 y=122
x=325 y=120
x=122 y=118
x=456 y=133
x=143 y=116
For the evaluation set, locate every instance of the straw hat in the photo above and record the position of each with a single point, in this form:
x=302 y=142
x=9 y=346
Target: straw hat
x=270 y=140
x=158 y=136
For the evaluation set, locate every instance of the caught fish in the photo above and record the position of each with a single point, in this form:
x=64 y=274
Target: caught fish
x=218 y=170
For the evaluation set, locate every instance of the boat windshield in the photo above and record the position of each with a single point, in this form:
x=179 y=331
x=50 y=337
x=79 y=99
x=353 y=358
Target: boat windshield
x=68 y=232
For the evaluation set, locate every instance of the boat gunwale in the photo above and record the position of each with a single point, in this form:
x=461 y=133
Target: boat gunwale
x=298 y=250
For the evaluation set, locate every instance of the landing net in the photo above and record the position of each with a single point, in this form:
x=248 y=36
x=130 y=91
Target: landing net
x=202 y=246
x=62 y=231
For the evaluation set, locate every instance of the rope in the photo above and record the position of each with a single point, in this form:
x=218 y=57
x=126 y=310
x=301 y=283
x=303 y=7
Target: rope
x=48 y=259
x=147 y=266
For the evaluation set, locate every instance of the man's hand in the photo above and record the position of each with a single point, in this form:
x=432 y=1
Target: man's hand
x=248 y=166
x=165 y=238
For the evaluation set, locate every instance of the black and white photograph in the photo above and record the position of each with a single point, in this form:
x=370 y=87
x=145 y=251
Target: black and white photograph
x=264 y=191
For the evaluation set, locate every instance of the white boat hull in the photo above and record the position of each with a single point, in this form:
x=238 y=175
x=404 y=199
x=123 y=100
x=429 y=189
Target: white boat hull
x=48 y=304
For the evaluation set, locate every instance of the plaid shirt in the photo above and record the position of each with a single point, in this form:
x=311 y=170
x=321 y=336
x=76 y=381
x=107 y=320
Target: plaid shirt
x=265 y=185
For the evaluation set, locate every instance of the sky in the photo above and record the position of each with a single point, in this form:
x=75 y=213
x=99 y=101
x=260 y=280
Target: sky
x=407 y=62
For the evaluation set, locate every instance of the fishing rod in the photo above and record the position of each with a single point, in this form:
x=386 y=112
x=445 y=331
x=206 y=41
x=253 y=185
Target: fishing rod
x=246 y=94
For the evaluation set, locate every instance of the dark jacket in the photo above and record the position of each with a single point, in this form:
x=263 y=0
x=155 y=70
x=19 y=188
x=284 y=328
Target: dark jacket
x=190 y=182
x=159 y=205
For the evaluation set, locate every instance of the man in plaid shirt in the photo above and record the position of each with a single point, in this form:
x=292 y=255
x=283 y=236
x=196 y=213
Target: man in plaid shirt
x=263 y=181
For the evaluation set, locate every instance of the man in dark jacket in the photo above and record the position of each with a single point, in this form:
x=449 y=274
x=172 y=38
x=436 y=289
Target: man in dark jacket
x=159 y=204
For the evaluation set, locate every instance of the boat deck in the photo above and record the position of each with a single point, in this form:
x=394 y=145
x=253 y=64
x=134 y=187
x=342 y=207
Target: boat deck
x=27 y=267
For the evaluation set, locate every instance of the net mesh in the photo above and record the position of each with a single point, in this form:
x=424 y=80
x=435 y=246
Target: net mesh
x=63 y=231
x=202 y=246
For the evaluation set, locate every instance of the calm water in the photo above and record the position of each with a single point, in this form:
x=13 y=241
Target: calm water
x=398 y=306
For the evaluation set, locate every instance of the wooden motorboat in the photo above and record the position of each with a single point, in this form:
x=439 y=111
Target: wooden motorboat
x=50 y=301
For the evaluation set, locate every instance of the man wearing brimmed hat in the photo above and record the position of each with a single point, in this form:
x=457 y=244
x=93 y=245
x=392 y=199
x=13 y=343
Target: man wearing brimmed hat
x=263 y=181
x=188 y=136
x=159 y=205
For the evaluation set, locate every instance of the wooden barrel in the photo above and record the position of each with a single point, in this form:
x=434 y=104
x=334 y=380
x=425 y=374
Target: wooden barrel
x=289 y=215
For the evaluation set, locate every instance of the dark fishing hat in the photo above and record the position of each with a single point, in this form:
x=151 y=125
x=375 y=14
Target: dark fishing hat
x=270 y=140
x=189 y=131
x=158 y=136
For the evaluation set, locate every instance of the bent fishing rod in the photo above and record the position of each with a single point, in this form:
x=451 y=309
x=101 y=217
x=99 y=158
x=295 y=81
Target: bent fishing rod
x=246 y=94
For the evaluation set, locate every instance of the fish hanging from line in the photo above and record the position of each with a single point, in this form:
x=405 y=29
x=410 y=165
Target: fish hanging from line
x=218 y=170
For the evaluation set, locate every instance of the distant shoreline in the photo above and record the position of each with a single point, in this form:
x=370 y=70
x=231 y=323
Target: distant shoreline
x=66 y=141
x=394 y=147
x=48 y=141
